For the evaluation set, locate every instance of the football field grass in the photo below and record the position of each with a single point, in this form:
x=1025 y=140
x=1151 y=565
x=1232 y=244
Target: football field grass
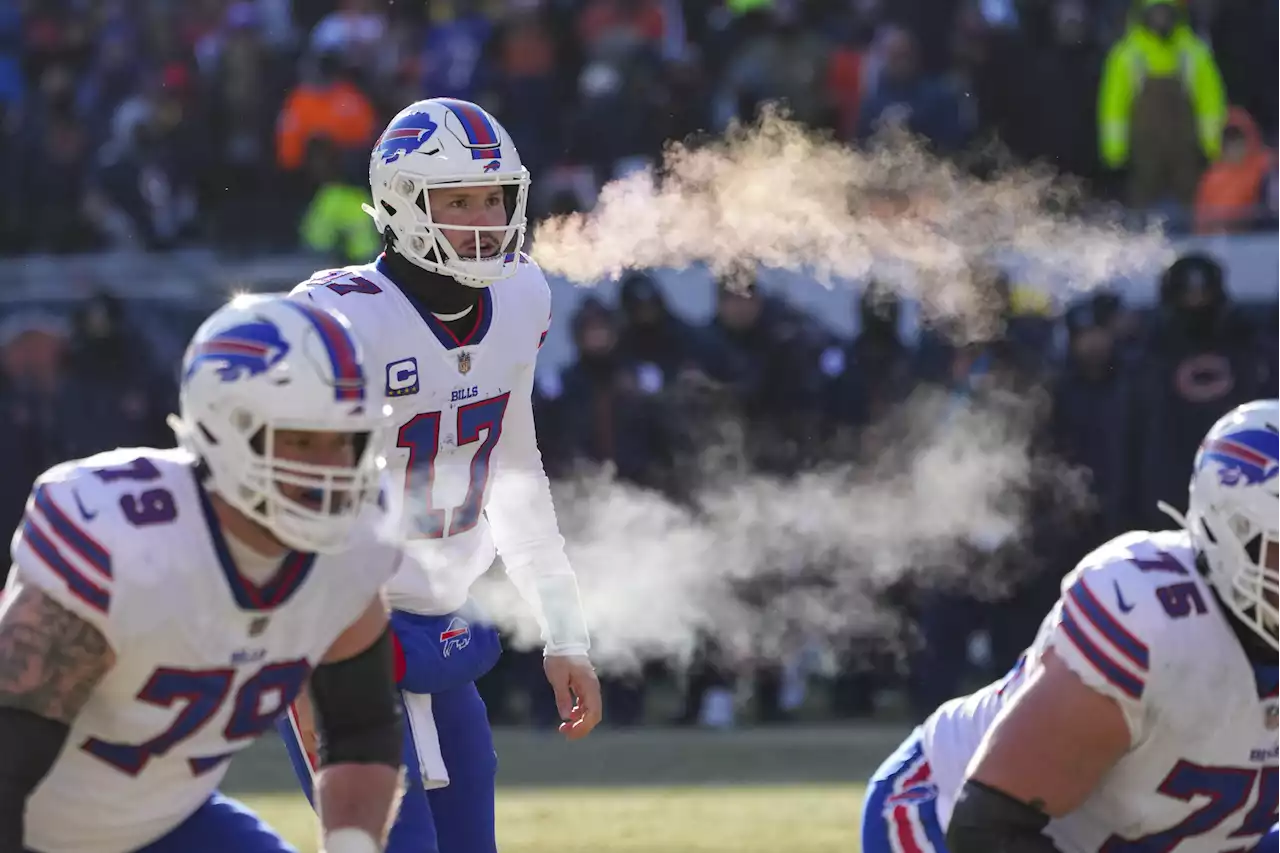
x=794 y=788
x=678 y=819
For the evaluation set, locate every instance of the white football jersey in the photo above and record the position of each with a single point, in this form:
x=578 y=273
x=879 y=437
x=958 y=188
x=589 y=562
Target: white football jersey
x=206 y=660
x=464 y=446
x=1138 y=623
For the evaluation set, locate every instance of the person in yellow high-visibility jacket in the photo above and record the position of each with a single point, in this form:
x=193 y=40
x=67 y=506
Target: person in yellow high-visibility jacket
x=334 y=223
x=1161 y=106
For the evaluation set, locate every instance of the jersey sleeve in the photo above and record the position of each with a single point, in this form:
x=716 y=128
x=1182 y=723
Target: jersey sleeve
x=314 y=287
x=1106 y=639
x=62 y=548
x=522 y=516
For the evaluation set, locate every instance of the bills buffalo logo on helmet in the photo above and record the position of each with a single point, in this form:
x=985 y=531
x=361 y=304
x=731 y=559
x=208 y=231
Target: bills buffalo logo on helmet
x=1247 y=457
x=405 y=136
x=245 y=350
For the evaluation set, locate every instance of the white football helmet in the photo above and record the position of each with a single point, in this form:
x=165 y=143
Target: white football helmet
x=441 y=143
x=261 y=364
x=1233 y=510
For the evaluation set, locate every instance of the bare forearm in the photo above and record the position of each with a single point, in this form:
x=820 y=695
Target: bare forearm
x=357 y=796
x=50 y=659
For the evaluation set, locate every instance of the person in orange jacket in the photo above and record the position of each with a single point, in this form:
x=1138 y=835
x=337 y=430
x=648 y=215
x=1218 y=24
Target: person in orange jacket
x=1229 y=197
x=331 y=106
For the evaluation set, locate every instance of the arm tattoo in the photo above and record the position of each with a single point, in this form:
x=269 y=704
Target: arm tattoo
x=50 y=659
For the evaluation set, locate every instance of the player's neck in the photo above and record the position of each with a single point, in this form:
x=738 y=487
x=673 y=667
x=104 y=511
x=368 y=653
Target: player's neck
x=439 y=294
x=247 y=532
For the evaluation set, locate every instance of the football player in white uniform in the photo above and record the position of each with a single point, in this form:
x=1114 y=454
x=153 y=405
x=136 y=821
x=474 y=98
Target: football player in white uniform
x=454 y=315
x=165 y=606
x=1143 y=718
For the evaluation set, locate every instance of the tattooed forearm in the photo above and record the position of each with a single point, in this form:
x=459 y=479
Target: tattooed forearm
x=50 y=659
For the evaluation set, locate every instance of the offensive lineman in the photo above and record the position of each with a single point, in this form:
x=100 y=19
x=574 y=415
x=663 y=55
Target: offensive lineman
x=165 y=606
x=1143 y=718
x=455 y=315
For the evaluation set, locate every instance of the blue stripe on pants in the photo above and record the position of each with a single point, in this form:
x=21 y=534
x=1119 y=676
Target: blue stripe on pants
x=900 y=813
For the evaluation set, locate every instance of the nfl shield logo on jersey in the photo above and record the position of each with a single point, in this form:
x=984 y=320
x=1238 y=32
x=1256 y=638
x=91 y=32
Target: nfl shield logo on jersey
x=464 y=362
x=456 y=636
x=1271 y=715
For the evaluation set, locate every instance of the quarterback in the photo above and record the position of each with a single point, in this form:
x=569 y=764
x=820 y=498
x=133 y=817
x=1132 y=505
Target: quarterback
x=1143 y=717
x=165 y=606
x=454 y=314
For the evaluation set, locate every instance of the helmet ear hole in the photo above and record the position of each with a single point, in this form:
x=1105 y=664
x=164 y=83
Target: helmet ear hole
x=208 y=436
x=258 y=442
x=1254 y=549
x=391 y=211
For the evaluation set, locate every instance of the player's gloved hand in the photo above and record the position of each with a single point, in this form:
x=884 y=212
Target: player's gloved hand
x=439 y=653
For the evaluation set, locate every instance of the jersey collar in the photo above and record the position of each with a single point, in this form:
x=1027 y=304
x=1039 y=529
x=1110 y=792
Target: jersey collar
x=294 y=568
x=444 y=335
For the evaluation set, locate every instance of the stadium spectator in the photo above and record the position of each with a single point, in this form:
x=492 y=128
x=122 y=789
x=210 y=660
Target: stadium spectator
x=767 y=354
x=649 y=333
x=453 y=50
x=145 y=185
x=356 y=31
x=526 y=86
x=602 y=22
x=1060 y=95
x=902 y=97
x=871 y=373
x=843 y=81
x=1232 y=195
x=326 y=103
x=33 y=420
x=1089 y=424
x=784 y=62
x=119 y=396
x=1161 y=106
x=1200 y=361
x=58 y=152
x=609 y=408
x=241 y=77
x=12 y=80
x=335 y=224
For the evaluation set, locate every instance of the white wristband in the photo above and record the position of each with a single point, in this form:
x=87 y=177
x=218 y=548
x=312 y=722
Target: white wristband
x=566 y=627
x=349 y=839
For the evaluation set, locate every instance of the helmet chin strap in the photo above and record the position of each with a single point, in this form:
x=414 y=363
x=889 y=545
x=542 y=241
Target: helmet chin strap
x=1174 y=514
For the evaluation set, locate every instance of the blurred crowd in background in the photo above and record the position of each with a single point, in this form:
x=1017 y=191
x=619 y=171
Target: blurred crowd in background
x=244 y=125
x=247 y=123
